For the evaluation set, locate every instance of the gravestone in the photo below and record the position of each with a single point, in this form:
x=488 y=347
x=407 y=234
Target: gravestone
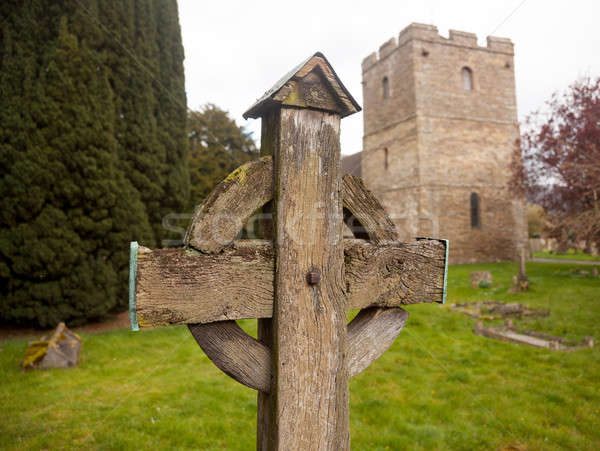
x=59 y=350
x=481 y=279
x=300 y=283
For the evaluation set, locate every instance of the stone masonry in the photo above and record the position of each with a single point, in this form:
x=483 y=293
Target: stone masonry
x=440 y=124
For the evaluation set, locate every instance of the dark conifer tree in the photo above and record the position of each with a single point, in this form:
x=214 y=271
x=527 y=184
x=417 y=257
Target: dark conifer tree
x=72 y=193
x=145 y=55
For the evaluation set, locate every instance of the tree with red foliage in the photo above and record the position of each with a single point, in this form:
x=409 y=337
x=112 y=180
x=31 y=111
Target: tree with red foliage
x=557 y=164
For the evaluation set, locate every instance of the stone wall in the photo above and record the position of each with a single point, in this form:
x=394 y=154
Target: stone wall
x=431 y=143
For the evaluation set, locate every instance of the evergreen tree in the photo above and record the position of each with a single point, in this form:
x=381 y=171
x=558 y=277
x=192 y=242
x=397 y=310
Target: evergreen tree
x=217 y=147
x=144 y=52
x=72 y=194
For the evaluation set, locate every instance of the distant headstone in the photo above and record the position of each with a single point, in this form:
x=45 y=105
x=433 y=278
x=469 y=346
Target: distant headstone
x=509 y=333
x=519 y=284
x=58 y=350
x=481 y=279
x=520 y=281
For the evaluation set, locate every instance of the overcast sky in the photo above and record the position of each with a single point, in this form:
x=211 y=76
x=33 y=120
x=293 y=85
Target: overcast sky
x=236 y=50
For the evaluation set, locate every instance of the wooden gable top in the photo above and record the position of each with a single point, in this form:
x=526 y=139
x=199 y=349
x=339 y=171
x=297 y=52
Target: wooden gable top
x=311 y=84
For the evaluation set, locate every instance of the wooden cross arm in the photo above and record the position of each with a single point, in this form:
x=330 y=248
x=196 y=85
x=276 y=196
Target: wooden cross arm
x=182 y=286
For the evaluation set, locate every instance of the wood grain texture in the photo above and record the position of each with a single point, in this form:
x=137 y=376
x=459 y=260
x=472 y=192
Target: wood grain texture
x=300 y=88
x=235 y=352
x=316 y=85
x=367 y=210
x=370 y=334
x=305 y=352
x=309 y=335
x=373 y=330
x=248 y=360
x=175 y=286
x=220 y=218
x=265 y=403
x=393 y=273
x=179 y=286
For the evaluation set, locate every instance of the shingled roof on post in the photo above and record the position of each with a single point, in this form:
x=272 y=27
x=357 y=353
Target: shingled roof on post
x=311 y=84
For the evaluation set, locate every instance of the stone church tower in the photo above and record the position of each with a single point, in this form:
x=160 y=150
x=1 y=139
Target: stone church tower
x=440 y=124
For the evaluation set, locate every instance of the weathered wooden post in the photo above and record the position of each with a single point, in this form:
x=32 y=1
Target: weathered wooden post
x=300 y=284
x=310 y=384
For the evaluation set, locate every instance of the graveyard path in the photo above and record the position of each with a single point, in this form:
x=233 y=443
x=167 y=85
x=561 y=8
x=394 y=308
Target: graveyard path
x=118 y=321
x=567 y=262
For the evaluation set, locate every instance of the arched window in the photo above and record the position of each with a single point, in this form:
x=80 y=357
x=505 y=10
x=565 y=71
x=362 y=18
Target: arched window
x=385 y=83
x=386 y=161
x=467 y=79
x=475 y=212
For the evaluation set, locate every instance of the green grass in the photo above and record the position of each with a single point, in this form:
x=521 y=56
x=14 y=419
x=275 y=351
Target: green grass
x=571 y=254
x=438 y=387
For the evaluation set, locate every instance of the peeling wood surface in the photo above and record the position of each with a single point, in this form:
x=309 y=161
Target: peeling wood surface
x=175 y=286
x=235 y=352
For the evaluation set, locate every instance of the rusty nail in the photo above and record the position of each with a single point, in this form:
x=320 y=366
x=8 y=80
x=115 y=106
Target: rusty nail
x=313 y=277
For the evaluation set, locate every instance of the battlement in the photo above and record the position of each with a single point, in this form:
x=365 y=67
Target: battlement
x=418 y=31
x=463 y=38
x=429 y=33
x=503 y=45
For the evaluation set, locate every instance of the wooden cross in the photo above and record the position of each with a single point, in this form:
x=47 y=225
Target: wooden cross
x=299 y=284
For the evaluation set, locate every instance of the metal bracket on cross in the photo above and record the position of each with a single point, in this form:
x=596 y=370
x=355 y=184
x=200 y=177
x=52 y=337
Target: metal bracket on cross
x=301 y=283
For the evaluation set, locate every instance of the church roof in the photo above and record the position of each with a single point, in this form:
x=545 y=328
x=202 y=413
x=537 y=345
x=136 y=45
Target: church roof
x=352 y=164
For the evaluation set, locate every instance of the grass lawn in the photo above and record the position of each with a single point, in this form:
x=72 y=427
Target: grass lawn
x=438 y=387
x=571 y=254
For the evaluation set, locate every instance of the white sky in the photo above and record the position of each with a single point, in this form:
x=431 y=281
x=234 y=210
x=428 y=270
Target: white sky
x=236 y=50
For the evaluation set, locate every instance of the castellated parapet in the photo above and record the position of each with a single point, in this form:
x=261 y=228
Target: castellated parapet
x=429 y=33
x=440 y=125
